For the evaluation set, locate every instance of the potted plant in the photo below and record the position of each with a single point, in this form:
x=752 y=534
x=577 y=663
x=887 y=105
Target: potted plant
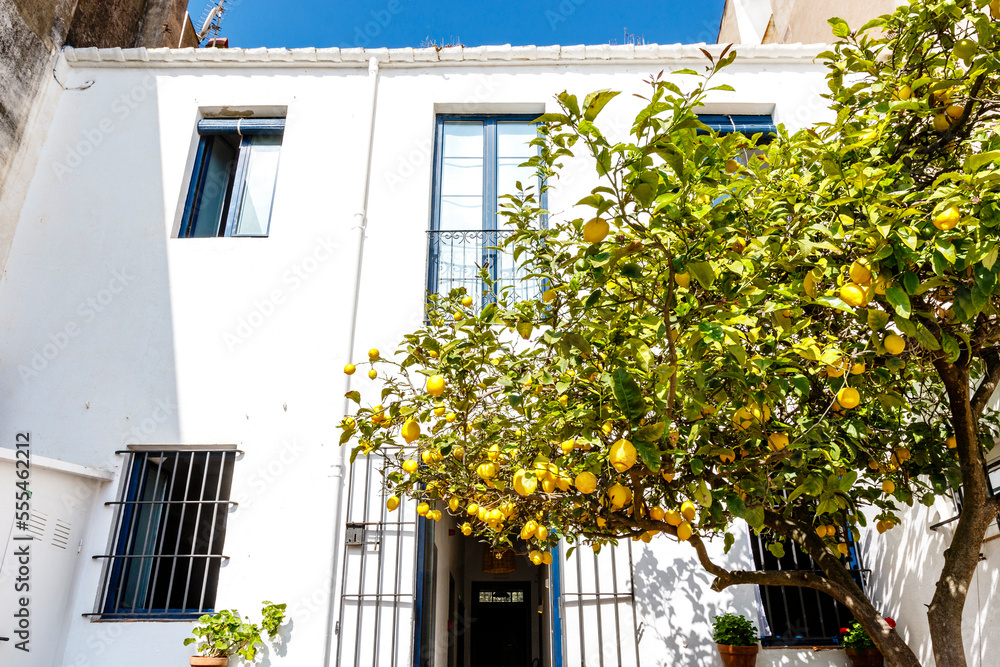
x=736 y=638
x=224 y=634
x=859 y=646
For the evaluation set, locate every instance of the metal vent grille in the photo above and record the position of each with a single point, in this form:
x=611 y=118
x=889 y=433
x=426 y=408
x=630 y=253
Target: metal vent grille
x=37 y=524
x=60 y=534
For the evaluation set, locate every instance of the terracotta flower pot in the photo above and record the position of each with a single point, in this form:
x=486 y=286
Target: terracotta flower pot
x=738 y=656
x=205 y=661
x=865 y=657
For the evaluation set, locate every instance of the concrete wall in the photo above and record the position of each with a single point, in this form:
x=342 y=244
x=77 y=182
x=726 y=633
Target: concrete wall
x=793 y=21
x=118 y=333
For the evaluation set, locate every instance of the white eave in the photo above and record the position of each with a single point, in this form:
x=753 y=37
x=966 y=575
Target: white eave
x=427 y=57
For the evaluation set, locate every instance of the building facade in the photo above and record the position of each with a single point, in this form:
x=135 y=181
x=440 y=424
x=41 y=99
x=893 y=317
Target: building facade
x=206 y=238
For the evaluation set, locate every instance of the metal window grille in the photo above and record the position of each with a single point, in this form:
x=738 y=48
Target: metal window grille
x=169 y=533
x=597 y=607
x=799 y=616
x=457 y=259
x=377 y=582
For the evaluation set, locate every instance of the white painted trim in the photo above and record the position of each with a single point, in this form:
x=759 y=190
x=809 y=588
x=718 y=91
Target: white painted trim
x=431 y=57
x=7 y=454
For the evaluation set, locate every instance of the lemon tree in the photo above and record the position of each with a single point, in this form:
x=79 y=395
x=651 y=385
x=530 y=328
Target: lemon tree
x=799 y=335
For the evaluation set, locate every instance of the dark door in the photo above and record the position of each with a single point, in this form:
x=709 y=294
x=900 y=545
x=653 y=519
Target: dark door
x=501 y=624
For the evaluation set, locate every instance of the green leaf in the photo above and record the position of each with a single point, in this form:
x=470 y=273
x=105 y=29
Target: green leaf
x=649 y=453
x=977 y=161
x=703 y=273
x=702 y=494
x=840 y=27
x=911 y=282
x=728 y=541
x=755 y=517
x=627 y=394
x=877 y=319
x=354 y=396
x=777 y=549
x=595 y=101
x=899 y=300
x=950 y=348
x=650 y=432
x=905 y=325
x=926 y=338
x=641 y=352
x=736 y=506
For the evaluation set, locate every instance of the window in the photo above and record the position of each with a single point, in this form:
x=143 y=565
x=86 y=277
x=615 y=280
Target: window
x=169 y=532
x=232 y=185
x=476 y=162
x=745 y=124
x=796 y=616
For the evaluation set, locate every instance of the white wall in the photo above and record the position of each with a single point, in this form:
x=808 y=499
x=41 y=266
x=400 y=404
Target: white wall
x=116 y=333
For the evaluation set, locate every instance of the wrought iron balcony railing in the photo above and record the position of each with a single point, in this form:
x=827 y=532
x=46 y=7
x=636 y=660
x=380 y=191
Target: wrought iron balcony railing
x=458 y=258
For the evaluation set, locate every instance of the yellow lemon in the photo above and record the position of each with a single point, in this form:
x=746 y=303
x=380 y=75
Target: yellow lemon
x=834 y=371
x=535 y=556
x=889 y=486
x=439 y=410
x=941 y=122
x=948 y=218
x=619 y=496
x=472 y=509
x=349 y=369
x=410 y=431
x=951 y=442
x=493 y=453
x=372 y=374
x=549 y=295
x=684 y=531
x=821 y=530
x=778 y=441
x=656 y=513
x=809 y=284
x=858 y=368
x=450 y=417
x=392 y=503
x=528 y=529
x=585 y=482
x=595 y=230
x=727 y=456
x=567 y=446
x=732 y=166
x=410 y=466
x=524 y=485
x=486 y=470
x=673 y=517
x=622 y=455
x=848 y=397
x=860 y=273
x=955 y=111
x=373 y=354
x=542 y=533
x=688 y=510
x=903 y=93
x=682 y=279
x=458 y=452
x=742 y=419
x=467 y=528
x=668 y=476
x=467 y=301
x=423 y=508
x=842 y=548
x=854 y=295
x=547 y=558
x=453 y=503
x=434 y=515
x=435 y=385
x=894 y=344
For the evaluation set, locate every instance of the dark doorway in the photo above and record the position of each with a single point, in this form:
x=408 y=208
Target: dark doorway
x=501 y=624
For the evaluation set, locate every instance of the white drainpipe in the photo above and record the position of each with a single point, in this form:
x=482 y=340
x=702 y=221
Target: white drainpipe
x=340 y=457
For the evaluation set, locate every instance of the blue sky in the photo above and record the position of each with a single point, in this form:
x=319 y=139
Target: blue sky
x=395 y=23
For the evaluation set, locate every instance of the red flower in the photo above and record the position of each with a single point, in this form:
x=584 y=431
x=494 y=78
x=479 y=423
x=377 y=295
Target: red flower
x=891 y=622
x=844 y=631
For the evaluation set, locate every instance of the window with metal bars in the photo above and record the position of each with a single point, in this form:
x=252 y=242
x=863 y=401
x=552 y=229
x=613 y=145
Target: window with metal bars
x=993 y=487
x=169 y=534
x=477 y=162
x=797 y=616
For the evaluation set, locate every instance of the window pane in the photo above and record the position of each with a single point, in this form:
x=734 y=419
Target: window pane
x=258 y=187
x=461 y=213
x=462 y=176
x=513 y=139
x=463 y=139
x=509 y=173
x=215 y=186
x=459 y=258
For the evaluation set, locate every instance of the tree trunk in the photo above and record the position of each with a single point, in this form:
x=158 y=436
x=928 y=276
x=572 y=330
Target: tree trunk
x=944 y=614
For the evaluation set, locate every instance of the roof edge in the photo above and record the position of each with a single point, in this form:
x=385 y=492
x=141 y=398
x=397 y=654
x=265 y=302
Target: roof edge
x=424 y=57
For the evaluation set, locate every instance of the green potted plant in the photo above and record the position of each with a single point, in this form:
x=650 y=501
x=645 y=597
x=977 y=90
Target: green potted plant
x=225 y=634
x=736 y=638
x=859 y=646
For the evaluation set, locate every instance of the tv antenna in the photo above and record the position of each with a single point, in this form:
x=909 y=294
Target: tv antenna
x=212 y=19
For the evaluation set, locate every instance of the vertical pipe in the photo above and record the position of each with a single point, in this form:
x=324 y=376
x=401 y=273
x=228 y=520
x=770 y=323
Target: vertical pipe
x=361 y=223
x=614 y=591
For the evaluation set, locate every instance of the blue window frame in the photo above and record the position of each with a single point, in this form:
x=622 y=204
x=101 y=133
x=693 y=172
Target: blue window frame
x=232 y=184
x=169 y=535
x=476 y=162
x=745 y=124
